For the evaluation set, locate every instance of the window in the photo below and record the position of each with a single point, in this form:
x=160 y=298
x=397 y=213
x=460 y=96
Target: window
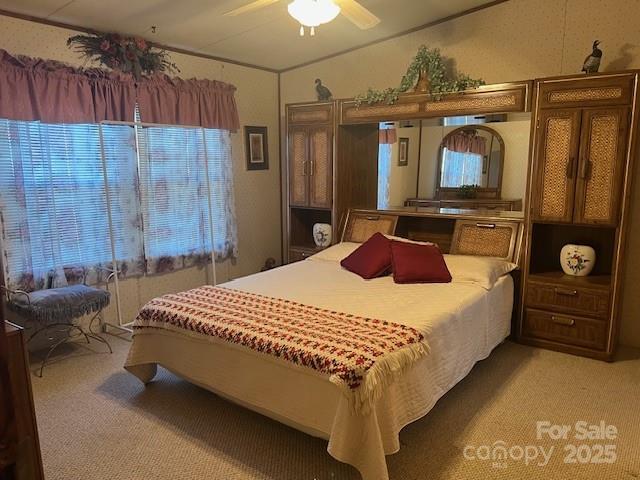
x=54 y=204
x=173 y=168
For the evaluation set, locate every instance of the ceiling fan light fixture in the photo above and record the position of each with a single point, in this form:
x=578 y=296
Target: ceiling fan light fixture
x=312 y=13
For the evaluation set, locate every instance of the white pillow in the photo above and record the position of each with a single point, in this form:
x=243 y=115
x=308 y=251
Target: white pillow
x=339 y=251
x=483 y=271
x=406 y=240
x=336 y=252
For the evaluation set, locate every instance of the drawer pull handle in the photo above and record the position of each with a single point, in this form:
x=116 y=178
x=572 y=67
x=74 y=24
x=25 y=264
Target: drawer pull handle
x=568 y=322
x=486 y=225
x=373 y=217
x=568 y=293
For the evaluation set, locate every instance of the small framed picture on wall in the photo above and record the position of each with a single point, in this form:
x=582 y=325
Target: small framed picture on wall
x=403 y=151
x=257 y=148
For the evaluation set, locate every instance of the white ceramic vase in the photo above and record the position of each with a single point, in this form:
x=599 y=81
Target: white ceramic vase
x=577 y=260
x=322 y=234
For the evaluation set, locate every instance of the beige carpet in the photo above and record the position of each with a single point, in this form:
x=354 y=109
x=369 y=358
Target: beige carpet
x=99 y=423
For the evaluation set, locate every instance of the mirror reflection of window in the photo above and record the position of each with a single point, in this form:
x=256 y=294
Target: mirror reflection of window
x=460 y=168
x=384 y=174
x=387 y=137
x=464 y=120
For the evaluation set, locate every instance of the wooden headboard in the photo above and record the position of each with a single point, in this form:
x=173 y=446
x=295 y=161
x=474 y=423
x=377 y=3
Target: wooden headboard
x=494 y=235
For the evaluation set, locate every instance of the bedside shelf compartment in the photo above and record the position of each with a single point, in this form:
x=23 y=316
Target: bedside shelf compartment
x=565 y=329
x=301 y=226
x=568 y=297
x=548 y=239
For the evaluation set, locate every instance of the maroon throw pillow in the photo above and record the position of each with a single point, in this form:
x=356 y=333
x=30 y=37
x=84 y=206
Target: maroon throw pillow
x=371 y=259
x=414 y=263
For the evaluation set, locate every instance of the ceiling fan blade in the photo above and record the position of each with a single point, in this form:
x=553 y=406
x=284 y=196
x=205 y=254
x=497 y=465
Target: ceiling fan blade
x=357 y=14
x=250 y=7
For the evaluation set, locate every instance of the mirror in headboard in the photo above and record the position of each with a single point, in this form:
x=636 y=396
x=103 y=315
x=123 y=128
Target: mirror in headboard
x=469 y=162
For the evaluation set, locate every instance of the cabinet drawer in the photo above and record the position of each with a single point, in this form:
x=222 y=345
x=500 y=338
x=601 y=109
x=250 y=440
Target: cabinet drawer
x=416 y=202
x=568 y=299
x=458 y=205
x=493 y=206
x=568 y=329
x=599 y=91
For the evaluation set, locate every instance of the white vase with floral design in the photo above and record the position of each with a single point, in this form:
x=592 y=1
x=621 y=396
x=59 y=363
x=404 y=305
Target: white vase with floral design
x=322 y=234
x=577 y=260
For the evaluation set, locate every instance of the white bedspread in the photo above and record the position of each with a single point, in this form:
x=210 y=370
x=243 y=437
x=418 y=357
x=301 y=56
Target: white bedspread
x=462 y=323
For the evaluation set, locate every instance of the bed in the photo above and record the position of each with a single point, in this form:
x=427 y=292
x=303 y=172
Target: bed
x=461 y=322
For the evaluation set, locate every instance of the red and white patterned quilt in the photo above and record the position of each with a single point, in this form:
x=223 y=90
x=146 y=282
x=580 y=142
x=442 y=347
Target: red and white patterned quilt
x=360 y=355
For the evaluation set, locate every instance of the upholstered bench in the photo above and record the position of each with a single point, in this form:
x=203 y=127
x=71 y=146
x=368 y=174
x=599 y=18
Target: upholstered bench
x=58 y=307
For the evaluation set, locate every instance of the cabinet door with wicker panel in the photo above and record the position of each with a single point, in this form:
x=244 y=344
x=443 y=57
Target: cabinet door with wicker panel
x=556 y=163
x=601 y=167
x=298 y=159
x=320 y=166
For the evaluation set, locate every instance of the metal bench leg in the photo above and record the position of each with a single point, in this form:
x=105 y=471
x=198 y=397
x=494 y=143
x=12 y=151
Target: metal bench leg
x=50 y=351
x=97 y=336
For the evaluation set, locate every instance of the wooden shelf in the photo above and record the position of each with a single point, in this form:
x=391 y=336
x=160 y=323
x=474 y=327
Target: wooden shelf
x=559 y=277
x=454 y=213
x=307 y=247
x=320 y=209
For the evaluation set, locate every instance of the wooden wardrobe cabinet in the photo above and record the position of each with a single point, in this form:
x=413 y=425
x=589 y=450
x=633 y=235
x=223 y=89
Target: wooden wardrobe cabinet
x=583 y=149
x=310 y=164
x=579 y=167
x=310 y=138
x=331 y=168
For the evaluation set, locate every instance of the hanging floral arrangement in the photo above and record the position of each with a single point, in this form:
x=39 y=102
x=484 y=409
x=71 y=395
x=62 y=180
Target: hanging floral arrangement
x=427 y=73
x=127 y=54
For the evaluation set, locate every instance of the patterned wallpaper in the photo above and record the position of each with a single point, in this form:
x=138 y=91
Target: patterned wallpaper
x=515 y=40
x=257 y=192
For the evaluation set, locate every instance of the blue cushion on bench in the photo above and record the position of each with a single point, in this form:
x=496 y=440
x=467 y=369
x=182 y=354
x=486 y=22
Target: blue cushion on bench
x=60 y=304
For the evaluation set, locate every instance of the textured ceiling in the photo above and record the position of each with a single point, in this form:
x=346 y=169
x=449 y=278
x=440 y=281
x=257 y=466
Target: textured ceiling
x=267 y=37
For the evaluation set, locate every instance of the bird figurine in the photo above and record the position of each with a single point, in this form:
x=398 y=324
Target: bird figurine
x=323 y=92
x=592 y=62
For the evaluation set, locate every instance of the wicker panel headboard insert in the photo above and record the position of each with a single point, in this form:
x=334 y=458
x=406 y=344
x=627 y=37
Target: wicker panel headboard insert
x=360 y=226
x=487 y=239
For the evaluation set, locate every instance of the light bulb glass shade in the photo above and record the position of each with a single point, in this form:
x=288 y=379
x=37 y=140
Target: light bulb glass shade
x=312 y=13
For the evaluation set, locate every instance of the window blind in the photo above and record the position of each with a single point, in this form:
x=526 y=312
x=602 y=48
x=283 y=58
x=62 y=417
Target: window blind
x=172 y=189
x=54 y=204
x=174 y=194
x=53 y=201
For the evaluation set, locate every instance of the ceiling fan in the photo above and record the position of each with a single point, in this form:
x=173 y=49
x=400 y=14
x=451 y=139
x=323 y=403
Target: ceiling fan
x=312 y=13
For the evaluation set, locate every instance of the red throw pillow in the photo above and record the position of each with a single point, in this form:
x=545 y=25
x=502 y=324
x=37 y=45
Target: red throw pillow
x=415 y=263
x=371 y=259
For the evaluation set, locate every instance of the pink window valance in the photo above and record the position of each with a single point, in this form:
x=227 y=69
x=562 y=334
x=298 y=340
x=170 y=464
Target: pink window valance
x=174 y=101
x=387 y=136
x=53 y=92
x=466 y=142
